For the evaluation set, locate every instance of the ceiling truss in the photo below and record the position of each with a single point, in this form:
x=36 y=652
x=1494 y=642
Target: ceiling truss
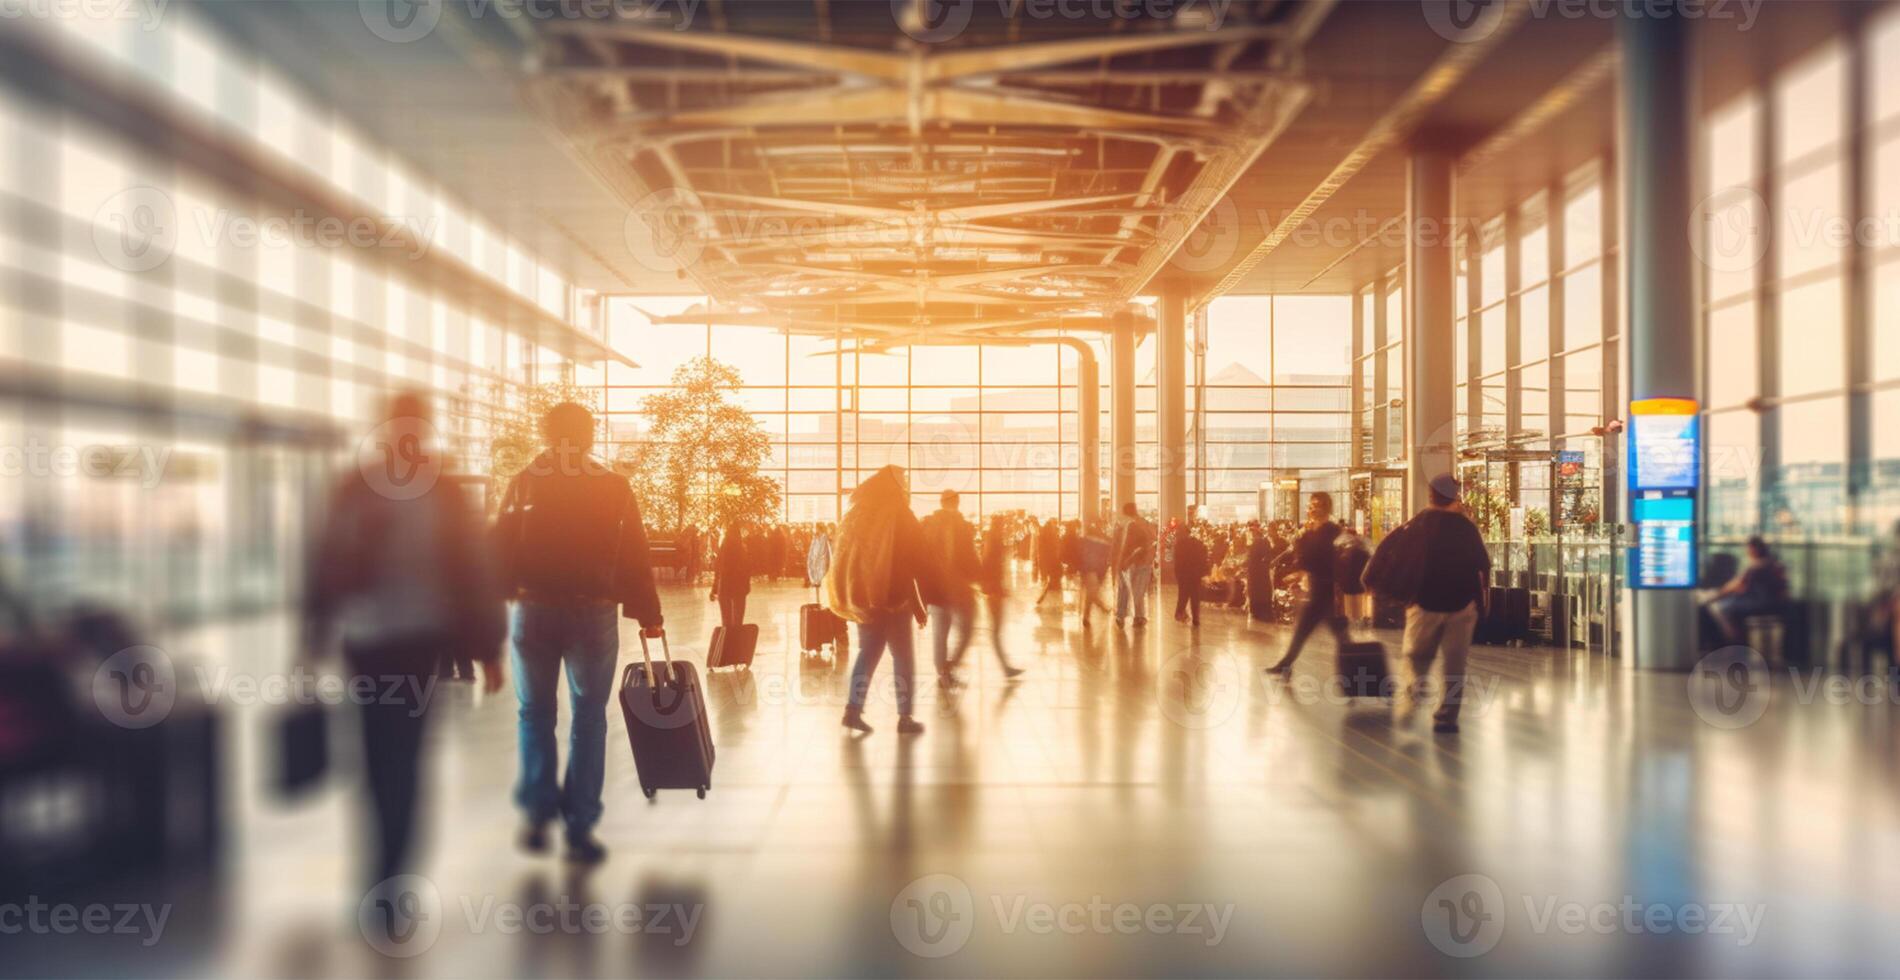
x=837 y=174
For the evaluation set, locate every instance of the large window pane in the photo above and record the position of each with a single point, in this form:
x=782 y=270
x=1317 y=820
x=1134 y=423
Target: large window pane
x=1583 y=307
x=1534 y=325
x=1733 y=374
x=1813 y=358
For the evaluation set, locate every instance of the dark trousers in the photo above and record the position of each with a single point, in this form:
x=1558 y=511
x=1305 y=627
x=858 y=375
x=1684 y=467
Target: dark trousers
x=1187 y=595
x=398 y=681
x=732 y=610
x=1318 y=609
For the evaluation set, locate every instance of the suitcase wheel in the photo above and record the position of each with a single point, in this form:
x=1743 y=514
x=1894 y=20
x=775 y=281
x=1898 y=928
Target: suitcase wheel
x=702 y=792
x=651 y=793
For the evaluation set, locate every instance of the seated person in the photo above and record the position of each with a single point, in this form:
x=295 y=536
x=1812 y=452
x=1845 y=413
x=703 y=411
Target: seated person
x=1761 y=588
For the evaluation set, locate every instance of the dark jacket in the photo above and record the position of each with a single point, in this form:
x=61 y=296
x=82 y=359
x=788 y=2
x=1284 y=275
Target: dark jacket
x=1134 y=544
x=732 y=569
x=1456 y=561
x=572 y=533
x=1190 y=558
x=952 y=543
x=1315 y=552
x=350 y=562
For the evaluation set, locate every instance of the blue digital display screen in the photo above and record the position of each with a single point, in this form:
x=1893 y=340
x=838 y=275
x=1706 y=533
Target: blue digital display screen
x=1682 y=509
x=1665 y=452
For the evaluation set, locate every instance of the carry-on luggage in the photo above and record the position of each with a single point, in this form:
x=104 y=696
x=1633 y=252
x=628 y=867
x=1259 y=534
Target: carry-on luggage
x=733 y=648
x=818 y=627
x=1508 y=620
x=1361 y=671
x=666 y=722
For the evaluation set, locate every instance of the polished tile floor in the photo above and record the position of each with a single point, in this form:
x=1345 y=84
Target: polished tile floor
x=1139 y=804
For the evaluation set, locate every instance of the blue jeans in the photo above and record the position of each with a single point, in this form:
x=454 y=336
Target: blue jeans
x=1131 y=590
x=891 y=628
x=944 y=622
x=588 y=640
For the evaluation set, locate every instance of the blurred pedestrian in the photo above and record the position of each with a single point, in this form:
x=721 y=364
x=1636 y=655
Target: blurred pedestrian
x=405 y=581
x=576 y=560
x=1134 y=565
x=880 y=558
x=1317 y=554
x=732 y=576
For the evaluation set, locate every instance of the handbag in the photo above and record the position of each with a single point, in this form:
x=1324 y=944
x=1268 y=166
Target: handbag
x=302 y=738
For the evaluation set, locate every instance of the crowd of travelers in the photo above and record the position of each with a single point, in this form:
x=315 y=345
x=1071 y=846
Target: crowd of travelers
x=402 y=585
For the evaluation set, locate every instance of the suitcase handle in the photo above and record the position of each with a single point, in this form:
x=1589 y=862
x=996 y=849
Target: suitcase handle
x=666 y=650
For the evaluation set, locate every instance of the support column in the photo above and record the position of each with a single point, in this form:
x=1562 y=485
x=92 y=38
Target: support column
x=1088 y=406
x=1121 y=394
x=1428 y=325
x=1657 y=130
x=1171 y=354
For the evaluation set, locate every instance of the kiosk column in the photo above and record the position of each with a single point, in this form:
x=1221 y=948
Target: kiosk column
x=1657 y=139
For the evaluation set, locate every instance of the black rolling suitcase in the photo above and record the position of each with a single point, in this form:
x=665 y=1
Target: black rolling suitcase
x=818 y=626
x=734 y=648
x=1361 y=671
x=666 y=723
x=1508 y=620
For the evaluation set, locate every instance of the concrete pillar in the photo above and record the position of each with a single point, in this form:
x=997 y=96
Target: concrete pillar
x=1429 y=395
x=1657 y=137
x=1171 y=356
x=1088 y=385
x=1121 y=396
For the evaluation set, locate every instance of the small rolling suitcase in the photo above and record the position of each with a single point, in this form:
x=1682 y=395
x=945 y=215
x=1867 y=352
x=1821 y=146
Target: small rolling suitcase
x=733 y=648
x=817 y=627
x=666 y=723
x=1362 y=672
x=1508 y=620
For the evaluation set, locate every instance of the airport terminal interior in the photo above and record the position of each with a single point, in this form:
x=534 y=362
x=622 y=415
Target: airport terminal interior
x=1234 y=330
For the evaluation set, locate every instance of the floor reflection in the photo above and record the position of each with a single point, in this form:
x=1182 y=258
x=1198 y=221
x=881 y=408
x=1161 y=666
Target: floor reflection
x=1073 y=823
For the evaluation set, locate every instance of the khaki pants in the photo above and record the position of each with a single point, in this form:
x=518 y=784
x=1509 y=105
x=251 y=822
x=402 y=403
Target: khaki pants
x=1429 y=633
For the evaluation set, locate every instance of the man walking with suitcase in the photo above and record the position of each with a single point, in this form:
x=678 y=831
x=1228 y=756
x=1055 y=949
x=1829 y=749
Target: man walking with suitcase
x=1438 y=566
x=575 y=550
x=1315 y=552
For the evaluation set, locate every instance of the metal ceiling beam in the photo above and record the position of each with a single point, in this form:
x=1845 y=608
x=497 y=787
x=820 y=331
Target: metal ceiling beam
x=1387 y=132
